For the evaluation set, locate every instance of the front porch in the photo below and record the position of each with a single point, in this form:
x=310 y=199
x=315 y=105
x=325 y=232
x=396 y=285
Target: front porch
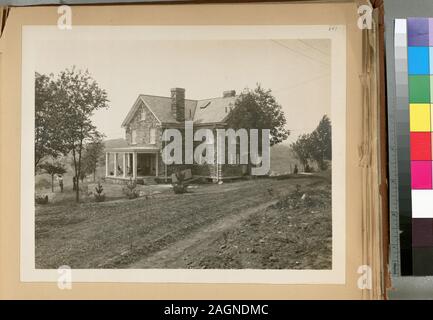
x=131 y=163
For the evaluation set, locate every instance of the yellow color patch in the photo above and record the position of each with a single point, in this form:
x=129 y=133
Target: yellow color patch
x=420 y=118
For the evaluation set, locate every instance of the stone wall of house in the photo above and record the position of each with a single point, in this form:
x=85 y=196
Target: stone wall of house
x=142 y=122
x=233 y=170
x=206 y=170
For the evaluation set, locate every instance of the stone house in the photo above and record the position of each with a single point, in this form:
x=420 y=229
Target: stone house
x=144 y=125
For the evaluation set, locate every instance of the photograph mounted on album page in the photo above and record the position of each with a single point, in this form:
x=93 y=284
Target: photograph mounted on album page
x=149 y=147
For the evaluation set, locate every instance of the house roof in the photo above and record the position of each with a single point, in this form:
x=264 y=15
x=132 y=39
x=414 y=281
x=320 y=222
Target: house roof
x=213 y=110
x=200 y=111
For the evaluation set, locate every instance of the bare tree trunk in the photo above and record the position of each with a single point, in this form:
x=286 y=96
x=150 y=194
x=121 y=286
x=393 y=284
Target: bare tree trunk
x=52 y=183
x=77 y=189
x=77 y=197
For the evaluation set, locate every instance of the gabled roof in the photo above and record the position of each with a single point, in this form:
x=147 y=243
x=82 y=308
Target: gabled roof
x=202 y=111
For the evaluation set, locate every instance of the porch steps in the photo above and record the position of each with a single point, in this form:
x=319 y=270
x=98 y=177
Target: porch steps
x=146 y=181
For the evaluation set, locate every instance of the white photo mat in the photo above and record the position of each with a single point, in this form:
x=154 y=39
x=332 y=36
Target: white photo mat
x=336 y=34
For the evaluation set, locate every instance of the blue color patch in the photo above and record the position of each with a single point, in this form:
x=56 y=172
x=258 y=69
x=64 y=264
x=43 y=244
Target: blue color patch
x=419 y=60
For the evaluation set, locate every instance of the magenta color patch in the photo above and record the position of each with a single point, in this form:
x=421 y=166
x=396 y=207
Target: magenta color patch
x=421 y=174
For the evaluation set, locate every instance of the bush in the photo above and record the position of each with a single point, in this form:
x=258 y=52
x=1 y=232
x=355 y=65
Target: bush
x=131 y=189
x=179 y=187
x=41 y=199
x=99 y=193
x=42 y=183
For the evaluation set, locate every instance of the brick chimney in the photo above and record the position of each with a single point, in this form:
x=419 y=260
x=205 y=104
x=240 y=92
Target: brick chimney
x=229 y=93
x=178 y=104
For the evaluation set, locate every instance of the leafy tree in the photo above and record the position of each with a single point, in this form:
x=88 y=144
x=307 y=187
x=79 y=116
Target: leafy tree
x=302 y=149
x=93 y=156
x=78 y=96
x=52 y=168
x=316 y=146
x=47 y=121
x=321 y=143
x=258 y=109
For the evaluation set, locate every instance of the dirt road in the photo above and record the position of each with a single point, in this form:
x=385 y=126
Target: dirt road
x=173 y=256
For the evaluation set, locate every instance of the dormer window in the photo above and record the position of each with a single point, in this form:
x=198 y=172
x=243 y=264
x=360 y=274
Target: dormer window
x=206 y=105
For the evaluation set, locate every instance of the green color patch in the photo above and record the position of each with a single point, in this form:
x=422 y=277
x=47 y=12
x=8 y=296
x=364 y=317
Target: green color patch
x=431 y=89
x=419 y=89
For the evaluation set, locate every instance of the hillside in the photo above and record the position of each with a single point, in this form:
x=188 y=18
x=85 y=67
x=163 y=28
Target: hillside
x=282 y=159
x=115 y=143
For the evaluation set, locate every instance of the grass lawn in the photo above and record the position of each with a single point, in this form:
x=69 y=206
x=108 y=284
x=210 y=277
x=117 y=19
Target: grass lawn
x=260 y=223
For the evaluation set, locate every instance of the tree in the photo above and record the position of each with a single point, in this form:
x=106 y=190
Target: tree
x=316 y=146
x=92 y=157
x=302 y=149
x=52 y=168
x=47 y=121
x=321 y=143
x=78 y=96
x=258 y=109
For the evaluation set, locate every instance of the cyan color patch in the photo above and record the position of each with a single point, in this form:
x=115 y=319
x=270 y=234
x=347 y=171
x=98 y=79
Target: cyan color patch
x=419 y=60
x=431 y=59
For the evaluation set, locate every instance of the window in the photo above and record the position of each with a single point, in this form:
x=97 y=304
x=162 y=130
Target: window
x=152 y=135
x=133 y=136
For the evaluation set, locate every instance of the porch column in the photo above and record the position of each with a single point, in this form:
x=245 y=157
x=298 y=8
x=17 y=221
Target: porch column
x=124 y=165
x=128 y=163
x=134 y=165
x=107 y=158
x=115 y=164
x=156 y=164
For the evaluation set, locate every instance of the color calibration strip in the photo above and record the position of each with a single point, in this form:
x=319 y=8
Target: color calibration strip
x=420 y=96
x=399 y=141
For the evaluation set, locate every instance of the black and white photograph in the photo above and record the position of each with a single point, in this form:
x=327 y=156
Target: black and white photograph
x=183 y=152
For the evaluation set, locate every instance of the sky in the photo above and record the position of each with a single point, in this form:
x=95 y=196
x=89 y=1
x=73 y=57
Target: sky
x=297 y=71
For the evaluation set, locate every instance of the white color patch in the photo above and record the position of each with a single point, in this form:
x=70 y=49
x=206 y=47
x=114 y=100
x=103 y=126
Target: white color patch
x=422 y=203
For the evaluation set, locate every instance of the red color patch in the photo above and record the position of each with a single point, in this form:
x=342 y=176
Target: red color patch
x=420 y=146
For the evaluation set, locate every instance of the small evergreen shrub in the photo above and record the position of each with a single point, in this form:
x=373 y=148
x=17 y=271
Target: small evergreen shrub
x=99 y=193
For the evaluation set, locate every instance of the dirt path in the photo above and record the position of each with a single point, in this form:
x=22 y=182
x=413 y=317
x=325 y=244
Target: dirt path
x=171 y=256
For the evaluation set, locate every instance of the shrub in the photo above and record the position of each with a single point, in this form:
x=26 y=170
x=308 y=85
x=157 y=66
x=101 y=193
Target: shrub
x=42 y=183
x=179 y=187
x=99 y=193
x=131 y=189
x=41 y=199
